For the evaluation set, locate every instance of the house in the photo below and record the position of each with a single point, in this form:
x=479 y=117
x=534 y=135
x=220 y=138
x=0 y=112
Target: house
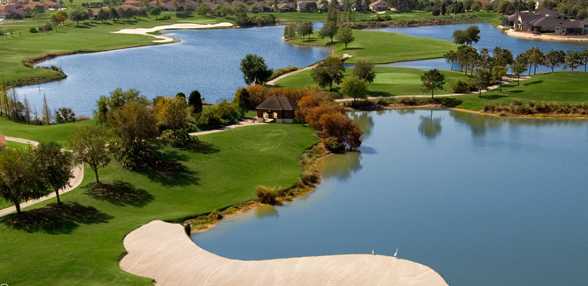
x=277 y=108
x=379 y=6
x=306 y=6
x=285 y=7
x=545 y=21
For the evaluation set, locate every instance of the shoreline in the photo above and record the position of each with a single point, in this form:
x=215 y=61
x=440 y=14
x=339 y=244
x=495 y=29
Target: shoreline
x=542 y=37
x=163 y=252
x=160 y=39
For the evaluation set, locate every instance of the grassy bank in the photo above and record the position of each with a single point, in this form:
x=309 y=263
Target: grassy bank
x=85 y=251
x=390 y=81
x=42 y=133
x=561 y=87
x=22 y=45
x=384 y=47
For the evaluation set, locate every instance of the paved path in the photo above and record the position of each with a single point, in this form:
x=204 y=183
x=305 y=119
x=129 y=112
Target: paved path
x=74 y=182
x=163 y=252
x=244 y=123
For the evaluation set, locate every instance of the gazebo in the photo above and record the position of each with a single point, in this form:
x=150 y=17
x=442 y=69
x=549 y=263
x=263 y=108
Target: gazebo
x=277 y=108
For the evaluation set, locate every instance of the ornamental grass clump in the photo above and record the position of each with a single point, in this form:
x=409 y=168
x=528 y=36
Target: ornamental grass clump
x=267 y=195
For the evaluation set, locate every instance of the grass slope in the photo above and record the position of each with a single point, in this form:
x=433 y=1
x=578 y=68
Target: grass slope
x=390 y=81
x=87 y=254
x=22 y=44
x=42 y=133
x=562 y=87
x=385 y=47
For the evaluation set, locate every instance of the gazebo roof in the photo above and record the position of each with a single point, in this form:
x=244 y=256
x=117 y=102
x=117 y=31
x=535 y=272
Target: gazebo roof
x=276 y=102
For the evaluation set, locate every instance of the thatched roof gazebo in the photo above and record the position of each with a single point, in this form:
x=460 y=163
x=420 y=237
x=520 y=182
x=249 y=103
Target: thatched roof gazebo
x=277 y=108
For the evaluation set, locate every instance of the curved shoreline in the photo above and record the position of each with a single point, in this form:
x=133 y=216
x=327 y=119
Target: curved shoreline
x=543 y=37
x=160 y=39
x=163 y=252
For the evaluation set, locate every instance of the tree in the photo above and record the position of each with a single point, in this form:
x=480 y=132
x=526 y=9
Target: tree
x=328 y=72
x=78 y=15
x=473 y=35
x=433 y=80
x=573 y=60
x=364 y=71
x=290 y=31
x=483 y=79
x=503 y=57
x=195 y=100
x=554 y=59
x=254 y=69
x=584 y=56
x=90 y=145
x=305 y=29
x=354 y=87
x=135 y=129
x=19 y=177
x=518 y=68
x=498 y=72
x=172 y=113
x=460 y=37
x=345 y=35
x=55 y=166
x=329 y=30
x=117 y=99
x=46 y=111
x=535 y=58
x=59 y=18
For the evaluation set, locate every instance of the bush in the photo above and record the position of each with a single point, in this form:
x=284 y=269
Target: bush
x=180 y=138
x=448 y=101
x=64 y=115
x=33 y=30
x=184 y=14
x=163 y=18
x=266 y=195
x=156 y=11
x=463 y=87
x=219 y=115
x=529 y=108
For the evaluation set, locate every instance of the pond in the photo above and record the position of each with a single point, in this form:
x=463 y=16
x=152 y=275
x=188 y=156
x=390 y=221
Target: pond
x=490 y=37
x=205 y=60
x=483 y=201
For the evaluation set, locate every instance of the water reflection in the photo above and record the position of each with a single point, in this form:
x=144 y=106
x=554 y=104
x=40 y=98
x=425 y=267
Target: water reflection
x=266 y=211
x=430 y=127
x=341 y=166
x=364 y=120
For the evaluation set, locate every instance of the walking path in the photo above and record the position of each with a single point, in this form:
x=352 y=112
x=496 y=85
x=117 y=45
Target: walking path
x=163 y=252
x=244 y=123
x=74 y=182
x=165 y=39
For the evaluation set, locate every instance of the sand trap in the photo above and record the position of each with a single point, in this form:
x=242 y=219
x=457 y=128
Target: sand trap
x=546 y=37
x=162 y=251
x=165 y=39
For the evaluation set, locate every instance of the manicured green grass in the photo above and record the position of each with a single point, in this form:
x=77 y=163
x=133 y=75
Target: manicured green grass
x=22 y=44
x=384 y=47
x=390 y=81
x=238 y=161
x=562 y=87
x=59 y=133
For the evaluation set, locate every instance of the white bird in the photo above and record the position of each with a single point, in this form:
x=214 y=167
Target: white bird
x=396 y=253
x=373 y=252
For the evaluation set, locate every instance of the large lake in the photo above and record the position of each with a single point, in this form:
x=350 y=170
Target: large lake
x=483 y=201
x=206 y=60
x=490 y=38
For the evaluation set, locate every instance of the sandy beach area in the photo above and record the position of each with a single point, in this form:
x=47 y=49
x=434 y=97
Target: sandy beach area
x=162 y=251
x=545 y=37
x=165 y=39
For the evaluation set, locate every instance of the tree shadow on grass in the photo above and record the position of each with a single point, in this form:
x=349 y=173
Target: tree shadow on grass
x=56 y=219
x=170 y=171
x=205 y=148
x=120 y=193
x=528 y=83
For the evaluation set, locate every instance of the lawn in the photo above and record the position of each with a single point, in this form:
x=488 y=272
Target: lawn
x=42 y=133
x=385 y=47
x=390 y=81
x=86 y=249
x=97 y=36
x=563 y=87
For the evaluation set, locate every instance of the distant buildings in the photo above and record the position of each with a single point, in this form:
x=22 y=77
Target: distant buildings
x=546 y=21
x=379 y=6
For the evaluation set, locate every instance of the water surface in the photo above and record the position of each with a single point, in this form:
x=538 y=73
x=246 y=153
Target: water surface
x=483 y=201
x=206 y=60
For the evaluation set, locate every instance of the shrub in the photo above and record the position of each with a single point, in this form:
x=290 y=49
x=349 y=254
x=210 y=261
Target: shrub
x=219 y=115
x=462 y=87
x=156 y=11
x=267 y=195
x=179 y=138
x=64 y=115
x=33 y=30
x=448 y=101
x=163 y=18
x=183 y=13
